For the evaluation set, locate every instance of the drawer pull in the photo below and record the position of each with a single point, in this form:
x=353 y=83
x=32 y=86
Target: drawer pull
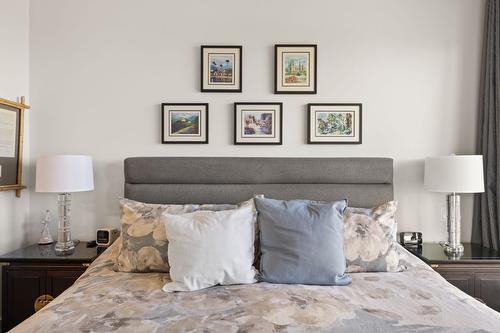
x=85 y=265
x=434 y=266
x=41 y=301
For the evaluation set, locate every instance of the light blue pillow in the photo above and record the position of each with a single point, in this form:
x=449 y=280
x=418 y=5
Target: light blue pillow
x=301 y=242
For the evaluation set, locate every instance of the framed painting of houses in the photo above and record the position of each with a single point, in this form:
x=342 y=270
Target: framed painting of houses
x=221 y=68
x=184 y=123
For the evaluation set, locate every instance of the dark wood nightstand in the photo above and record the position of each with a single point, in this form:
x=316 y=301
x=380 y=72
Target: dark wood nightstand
x=476 y=272
x=33 y=276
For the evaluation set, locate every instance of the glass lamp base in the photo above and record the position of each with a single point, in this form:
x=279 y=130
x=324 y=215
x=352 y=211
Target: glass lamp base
x=66 y=247
x=453 y=245
x=457 y=249
x=65 y=244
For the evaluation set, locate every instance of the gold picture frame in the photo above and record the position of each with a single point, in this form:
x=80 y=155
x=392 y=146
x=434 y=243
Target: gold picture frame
x=11 y=144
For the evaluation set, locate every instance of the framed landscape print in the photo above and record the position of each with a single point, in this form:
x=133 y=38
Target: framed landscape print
x=258 y=123
x=221 y=68
x=334 y=123
x=184 y=123
x=295 y=69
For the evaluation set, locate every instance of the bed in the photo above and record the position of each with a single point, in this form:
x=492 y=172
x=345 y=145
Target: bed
x=416 y=300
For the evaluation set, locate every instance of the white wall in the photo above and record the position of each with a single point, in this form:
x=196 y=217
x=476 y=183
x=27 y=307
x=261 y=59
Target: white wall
x=15 y=229
x=100 y=69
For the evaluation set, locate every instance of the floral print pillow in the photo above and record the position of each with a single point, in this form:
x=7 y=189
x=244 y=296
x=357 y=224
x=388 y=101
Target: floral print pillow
x=369 y=239
x=144 y=245
x=144 y=241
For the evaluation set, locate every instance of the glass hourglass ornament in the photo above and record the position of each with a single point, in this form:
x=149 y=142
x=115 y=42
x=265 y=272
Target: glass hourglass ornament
x=45 y=236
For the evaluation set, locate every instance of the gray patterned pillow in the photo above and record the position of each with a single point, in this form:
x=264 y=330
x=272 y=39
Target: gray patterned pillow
x=369 y=241
x=144 y=245
x=144 y=241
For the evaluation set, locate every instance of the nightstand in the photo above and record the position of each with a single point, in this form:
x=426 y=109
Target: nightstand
x=33 y=276
x=476 y=272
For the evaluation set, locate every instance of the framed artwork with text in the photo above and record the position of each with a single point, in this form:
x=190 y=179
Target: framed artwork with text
x=11 y=144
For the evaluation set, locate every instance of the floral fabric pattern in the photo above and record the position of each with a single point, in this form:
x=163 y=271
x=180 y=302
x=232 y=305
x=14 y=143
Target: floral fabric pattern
x=416 y=300
x=143 y=239
x=143 y=243
x=369 y=242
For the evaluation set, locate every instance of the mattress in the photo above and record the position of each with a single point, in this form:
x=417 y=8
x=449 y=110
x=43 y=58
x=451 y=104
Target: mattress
x=416 y=300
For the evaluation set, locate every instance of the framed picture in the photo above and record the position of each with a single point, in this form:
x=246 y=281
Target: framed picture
x=221 y=69
x=334 y=123
x=258 y=123
x=11 y=144
x=184 y=122
x=295 y=69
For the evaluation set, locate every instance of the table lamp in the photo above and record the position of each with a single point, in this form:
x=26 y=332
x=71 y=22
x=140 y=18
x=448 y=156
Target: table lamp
x=64 y=174
x=454 y=174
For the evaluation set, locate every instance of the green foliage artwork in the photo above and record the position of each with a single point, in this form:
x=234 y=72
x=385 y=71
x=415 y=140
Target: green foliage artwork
x=334 y=123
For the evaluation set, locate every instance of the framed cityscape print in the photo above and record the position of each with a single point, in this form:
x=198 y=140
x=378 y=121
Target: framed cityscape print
x=258 y=123
x=184 y=123
x=295 y=69
x=334 y=123
x=221 y=68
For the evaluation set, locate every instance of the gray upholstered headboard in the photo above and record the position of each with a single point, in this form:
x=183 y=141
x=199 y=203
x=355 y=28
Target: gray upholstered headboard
x=366 y=182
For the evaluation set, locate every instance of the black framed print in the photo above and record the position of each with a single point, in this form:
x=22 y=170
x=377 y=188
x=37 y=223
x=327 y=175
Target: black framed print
x=184 y=122
x=221 y=68
x=295 y=69
x=336 y=123
x=258 y=123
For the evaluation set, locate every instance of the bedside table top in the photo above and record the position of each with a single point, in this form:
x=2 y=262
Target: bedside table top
x=46 y=253
x=433 y=253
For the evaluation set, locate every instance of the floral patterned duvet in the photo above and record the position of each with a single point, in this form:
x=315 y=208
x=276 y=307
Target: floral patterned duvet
x=417 y=300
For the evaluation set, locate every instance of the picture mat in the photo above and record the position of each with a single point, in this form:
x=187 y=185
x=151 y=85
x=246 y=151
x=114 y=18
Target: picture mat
x=262 y=107
x=236 y=68
x=279 y=68
x=166 y=126
x=10 y=164
x=334 y=108
x=8 y=129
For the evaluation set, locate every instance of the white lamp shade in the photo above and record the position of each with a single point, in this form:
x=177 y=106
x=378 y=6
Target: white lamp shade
x=454 y=173
x=64 y=174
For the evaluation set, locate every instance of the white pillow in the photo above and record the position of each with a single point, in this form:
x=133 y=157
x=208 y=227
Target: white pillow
x=208 y=248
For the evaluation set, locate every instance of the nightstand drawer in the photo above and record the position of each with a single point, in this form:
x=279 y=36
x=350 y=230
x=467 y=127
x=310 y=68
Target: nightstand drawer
x=29 y=288
x=487 y=288
x=475 y=272
x=21 y=289
x=462 y=280
x=60 y=280
x=481 y=281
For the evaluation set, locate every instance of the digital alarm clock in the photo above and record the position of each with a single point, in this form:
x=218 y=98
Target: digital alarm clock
x=106 y=236
x=411 y=239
